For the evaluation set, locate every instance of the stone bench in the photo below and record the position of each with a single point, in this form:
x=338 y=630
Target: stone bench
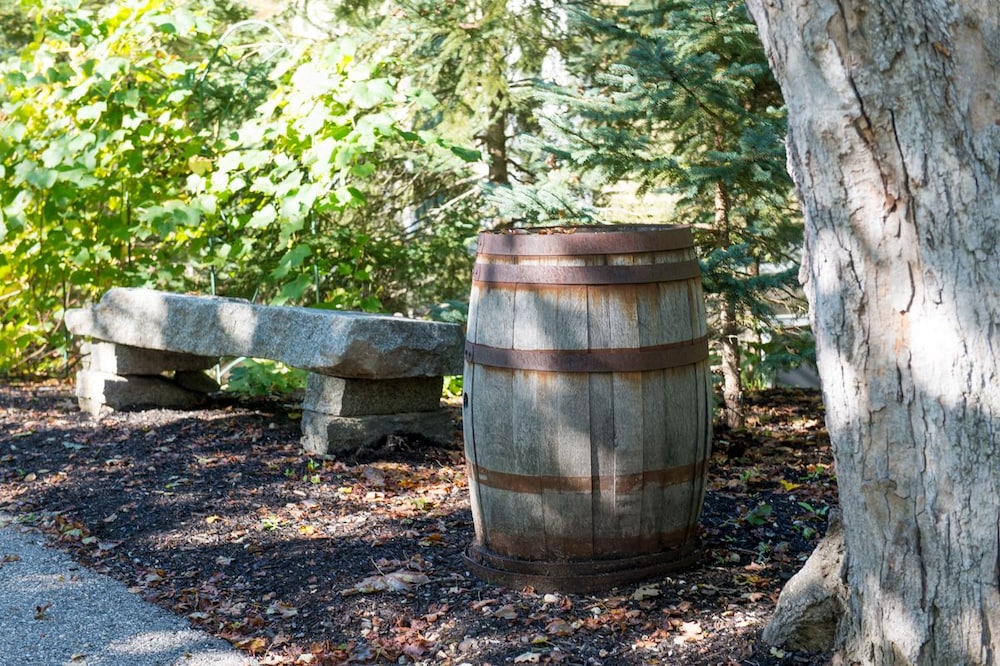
x=370 y=376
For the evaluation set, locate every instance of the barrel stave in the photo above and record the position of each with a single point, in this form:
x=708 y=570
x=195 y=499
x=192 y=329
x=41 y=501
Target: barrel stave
x=571 y=466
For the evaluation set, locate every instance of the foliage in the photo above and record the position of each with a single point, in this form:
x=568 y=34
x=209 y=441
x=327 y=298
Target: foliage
x=15 y=28
x=139 y=149
x=264 y=377
x=274 y=193
x=677 y=98
x=94 y=137
x=484 y=57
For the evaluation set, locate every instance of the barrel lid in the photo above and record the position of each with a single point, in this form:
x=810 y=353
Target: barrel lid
x=604 y=239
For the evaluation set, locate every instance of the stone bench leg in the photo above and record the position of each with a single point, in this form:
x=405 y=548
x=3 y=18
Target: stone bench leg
x=119 y=377
x=341 y=414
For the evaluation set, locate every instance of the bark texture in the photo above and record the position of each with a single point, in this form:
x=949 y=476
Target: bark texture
x=894 y=144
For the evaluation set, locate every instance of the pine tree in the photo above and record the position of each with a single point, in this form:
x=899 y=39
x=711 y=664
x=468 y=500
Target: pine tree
x=679 y=100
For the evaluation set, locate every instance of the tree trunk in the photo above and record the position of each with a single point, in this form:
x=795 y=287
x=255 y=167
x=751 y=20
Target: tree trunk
x=893 y=142
x=495 y=140
x=733 y=412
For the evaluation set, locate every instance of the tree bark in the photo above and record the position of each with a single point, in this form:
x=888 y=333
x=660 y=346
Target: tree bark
x=733 y=412
x=894 y=145
x=495 y=139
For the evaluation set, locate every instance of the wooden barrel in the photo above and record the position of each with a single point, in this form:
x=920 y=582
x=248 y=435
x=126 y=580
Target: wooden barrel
x=587 y=405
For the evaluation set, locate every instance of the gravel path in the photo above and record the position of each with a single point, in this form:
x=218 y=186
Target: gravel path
x=54 y=612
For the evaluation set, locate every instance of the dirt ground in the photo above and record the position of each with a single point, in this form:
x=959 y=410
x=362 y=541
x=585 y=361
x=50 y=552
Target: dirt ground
x=216 y=515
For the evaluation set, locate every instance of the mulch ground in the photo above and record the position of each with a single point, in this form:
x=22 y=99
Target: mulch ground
x=216 y=515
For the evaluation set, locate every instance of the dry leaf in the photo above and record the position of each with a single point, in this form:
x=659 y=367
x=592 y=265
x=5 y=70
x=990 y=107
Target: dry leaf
x=374 y=476
x=559 y=627
x=690 y=632
x=646 y=592
x=528 y=658
x=253 y=645
x=398 y=581
x=507 y=612
x=154 y=577
x=482 y=603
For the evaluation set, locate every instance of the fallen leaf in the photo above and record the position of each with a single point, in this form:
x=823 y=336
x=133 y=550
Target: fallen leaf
x=374 y=476
x=398 y=581
x=284 y=610
x=559 y=627
x=40 y=611
x=415 y=650
x=154 y=577
x=690 y=633
x=528 y=658
x=646 y=592
x=431 y=539
x=482 y=603
x=253 y=645
x=507 y=612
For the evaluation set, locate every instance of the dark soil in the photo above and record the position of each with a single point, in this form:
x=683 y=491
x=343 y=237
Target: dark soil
x=216 y=515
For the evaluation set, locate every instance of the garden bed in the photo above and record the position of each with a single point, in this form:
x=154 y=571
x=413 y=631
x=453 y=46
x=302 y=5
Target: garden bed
x=219 y=517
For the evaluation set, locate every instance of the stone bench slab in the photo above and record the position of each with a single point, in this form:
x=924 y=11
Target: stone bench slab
x=342 y=344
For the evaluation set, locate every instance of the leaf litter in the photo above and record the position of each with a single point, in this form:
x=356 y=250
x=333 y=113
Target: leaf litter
x=217 y=515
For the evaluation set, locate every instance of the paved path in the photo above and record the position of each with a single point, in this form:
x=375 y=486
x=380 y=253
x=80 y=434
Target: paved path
x=54 y=612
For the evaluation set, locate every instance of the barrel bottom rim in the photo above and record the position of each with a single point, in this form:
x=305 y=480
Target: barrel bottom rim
x=576 y=577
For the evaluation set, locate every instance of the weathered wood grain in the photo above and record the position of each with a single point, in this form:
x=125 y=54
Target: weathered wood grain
x=574 y=466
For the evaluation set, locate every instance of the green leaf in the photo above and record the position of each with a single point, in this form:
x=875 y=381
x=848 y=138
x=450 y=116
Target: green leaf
x=466 y=154
x=291 y=259
x=110 y=67
x=370 y=93
x=91 y=111
x=296 y=289
x=41 y=178
x=263 y=217
x=364 y=170
x=313 y=122
x=371 y=304
x=424 y=98
x=178 y=96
